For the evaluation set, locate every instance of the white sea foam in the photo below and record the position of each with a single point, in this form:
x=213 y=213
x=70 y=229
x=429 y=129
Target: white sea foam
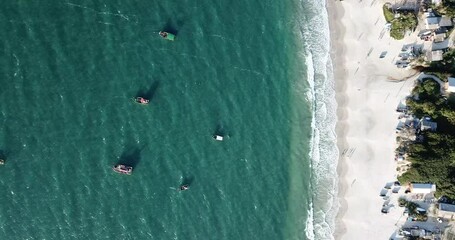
x=324 y=152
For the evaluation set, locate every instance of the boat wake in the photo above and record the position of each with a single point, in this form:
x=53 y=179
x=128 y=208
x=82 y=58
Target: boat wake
x=118 y=14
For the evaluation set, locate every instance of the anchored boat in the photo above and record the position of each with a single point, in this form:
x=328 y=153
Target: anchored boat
x=142 y=100
x=123 y=169
x=218 y=137
x=184 y=187
x=167 y=35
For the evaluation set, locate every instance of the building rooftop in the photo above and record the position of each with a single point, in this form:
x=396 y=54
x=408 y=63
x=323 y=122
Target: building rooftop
x=424 y=186
x=451 y=81
x=451 y=84
x=445 y=21
x=439 y=37
x=432 y=23
x=447 y=207
x=426 y=124
x=434 y=56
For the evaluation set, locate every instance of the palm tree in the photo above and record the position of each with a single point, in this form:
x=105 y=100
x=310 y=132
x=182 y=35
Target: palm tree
x=412 y=208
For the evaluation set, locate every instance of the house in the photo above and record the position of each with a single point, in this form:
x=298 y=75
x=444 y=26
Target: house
x=439 y=37
x=433 y=56
x=451 y=82
x=446 y=210
x=445 y=21
x=427 y=124
x=431 y=23
x=424 y=188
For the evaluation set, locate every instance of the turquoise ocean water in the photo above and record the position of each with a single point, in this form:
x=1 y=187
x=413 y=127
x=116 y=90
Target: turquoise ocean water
x=68 y=72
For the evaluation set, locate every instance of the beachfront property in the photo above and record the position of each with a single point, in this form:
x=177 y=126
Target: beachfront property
x=439 y=36
x=451 y=85
x=446 y=211
x=434 y=56
x=431 y=22
x=427 y=124
x=422 y=188
x=406 y=5
x=419 y=219
x=434 y=32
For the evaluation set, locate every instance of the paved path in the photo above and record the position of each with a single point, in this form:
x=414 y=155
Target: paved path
x=441 y=83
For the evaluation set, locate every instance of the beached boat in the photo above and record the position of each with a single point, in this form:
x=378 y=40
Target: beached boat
x=142 y=100
x=218 y=137
x=167 y=36
x=184 y=187
x=123 y=169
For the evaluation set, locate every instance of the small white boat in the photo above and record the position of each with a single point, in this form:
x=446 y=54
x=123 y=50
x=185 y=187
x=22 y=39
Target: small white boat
x=123 y=169
x=218 y=137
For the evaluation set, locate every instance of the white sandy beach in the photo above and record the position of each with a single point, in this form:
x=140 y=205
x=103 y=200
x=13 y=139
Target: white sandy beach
x=369 y=89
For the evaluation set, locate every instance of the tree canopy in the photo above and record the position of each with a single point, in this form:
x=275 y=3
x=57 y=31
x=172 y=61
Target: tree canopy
x=433 y=160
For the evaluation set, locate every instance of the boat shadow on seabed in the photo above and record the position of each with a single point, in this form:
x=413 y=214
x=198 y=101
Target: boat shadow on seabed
x=171 y=26
x=150 y=92
x=130 y=157
x=2 y=157
x=186 y=183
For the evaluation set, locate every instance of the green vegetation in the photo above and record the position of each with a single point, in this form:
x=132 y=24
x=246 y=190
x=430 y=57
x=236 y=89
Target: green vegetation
x=405 y=21
x=402 y=202
x=429 y=101
x=433 y=160
x=446 y=67
x=447 y=8
x=412 y=209
x=388 y=14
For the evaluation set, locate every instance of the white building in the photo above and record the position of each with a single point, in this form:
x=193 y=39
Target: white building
x=436 y=2
x=451 y=87
x=434 y=56
x=424 y=188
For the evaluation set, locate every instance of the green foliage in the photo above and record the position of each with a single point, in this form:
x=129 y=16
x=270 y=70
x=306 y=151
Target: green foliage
x=412 y=207
x=402 y=202
x=434 y=159
x=446 y=66
x=448 y=8
x=429 y=102
x=388 y=14
x=397 y=31
x=405 y=21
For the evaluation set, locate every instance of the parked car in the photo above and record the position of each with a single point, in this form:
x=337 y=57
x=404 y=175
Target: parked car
x=385 y=210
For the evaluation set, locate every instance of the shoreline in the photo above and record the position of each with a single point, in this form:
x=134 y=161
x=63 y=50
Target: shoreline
x=337 y=49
